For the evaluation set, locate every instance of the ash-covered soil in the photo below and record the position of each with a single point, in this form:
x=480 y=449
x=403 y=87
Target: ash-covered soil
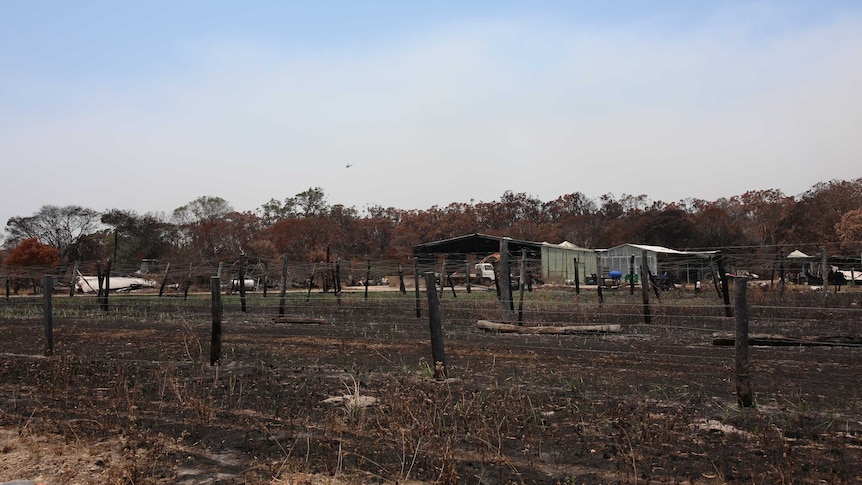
x=123 y=401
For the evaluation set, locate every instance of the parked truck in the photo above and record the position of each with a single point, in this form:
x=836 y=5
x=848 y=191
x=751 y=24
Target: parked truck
x=485 y=273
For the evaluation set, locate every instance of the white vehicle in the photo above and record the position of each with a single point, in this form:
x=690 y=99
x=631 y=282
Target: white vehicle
x=485 y=272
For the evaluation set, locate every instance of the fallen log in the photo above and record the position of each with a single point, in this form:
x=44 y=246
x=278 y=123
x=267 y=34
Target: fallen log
x=766 y=340
x=546 y=329
x=300 y=319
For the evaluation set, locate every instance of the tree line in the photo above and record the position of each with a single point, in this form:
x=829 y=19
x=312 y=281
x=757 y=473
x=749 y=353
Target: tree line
x=306 y=227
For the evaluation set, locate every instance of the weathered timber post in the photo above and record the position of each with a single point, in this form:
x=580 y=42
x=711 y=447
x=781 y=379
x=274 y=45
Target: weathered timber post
x=600 y=280
x=100 y=278
x=654 y=284
x=107 y=286
x=215 y=345
x=48 y=312
x=578 y=278
x=781 y=271
x=337 y=281
x=715 y=276
x=72 y=281
x=283 y=282
x=522 y=285
x=632 y=274
x=506 y=301
x=725 y=290
x=401 y=286
x=8 y=287
x=164 y=279
x=367 y=277
x=743 y=381
x=325 y=282
x=242 y=302
x=467 y=274
x=416 y=284
x=438 y=354
x=265 y=276
x=645 y=282
x=188 y=283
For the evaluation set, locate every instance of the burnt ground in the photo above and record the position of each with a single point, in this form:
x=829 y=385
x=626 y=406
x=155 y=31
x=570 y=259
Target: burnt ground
x=130 y=397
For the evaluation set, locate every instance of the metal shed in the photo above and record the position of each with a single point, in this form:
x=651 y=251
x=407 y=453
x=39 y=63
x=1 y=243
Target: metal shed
x=559 y=260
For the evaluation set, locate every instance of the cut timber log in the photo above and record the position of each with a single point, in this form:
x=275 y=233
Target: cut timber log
x=784 y=341
x=300 y=319
x=546 y=329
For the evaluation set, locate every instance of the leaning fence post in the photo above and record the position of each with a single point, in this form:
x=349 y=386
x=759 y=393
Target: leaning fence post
x=645 y=282
x=72 y=282
x=743 y=382
x=47 y=310
x=215 y=347
x=436 y=325
x=164 y=279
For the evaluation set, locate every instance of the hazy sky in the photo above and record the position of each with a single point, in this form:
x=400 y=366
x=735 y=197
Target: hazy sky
x=148 y=105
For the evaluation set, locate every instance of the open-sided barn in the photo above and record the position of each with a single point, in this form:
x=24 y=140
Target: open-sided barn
x=557 y=260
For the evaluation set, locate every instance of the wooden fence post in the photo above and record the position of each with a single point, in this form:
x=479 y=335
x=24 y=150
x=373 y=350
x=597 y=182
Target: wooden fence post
x=645 y=282
x=100 y=278
x=467 y=274
x=265 y=276
x=164 y=279
x=521 y=286
x=107 y=286
x=824 y=273
x=337 y=279
x=188 y=283
x=283 y=285
x=743 y=381
x=72 y=281
x=506 y=301
x=367 y=277
x=438 y=354
x=242 y=302
x=632 y=274
x=401 y=286
x=8 y=286
x=215 y=347
x=325 y=282
x=578 y=277
x=416 y=285
x=311 y=282
x=48 y=313
x=600 y=280
x=725 y=290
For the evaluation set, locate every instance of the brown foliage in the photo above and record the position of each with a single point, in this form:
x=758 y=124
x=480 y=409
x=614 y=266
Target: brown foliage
x=31 y=253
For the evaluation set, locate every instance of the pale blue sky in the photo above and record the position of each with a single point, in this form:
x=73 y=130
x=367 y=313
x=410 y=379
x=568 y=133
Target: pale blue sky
x=148 y=105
